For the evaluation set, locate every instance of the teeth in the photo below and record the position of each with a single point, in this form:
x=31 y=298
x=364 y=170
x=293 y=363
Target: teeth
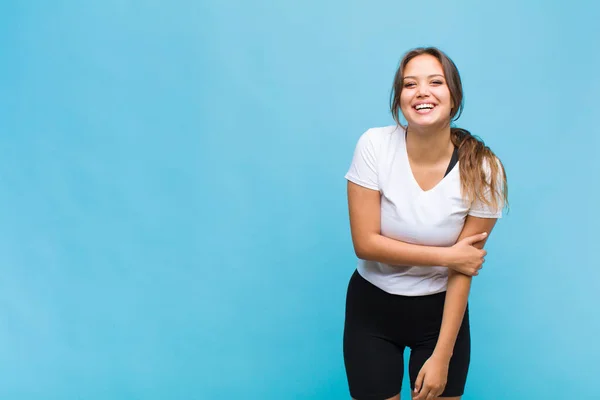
x=422 y=106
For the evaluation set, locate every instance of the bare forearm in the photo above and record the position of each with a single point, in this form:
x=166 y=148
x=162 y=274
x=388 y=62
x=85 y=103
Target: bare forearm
x=457 y=296
x=394 y=252
x=457 y=293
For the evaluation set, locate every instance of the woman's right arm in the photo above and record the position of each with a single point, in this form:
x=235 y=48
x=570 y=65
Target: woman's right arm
x=364 y=206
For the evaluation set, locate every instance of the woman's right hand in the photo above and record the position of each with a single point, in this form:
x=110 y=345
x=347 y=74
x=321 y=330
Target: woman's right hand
x=463 y=257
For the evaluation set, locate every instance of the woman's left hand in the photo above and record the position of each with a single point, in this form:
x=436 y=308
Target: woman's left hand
x=432 y=378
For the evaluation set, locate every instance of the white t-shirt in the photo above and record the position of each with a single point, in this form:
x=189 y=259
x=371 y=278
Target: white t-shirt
x=409 y=214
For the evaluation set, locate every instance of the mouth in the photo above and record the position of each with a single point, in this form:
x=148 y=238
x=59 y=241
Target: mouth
x=424 y=108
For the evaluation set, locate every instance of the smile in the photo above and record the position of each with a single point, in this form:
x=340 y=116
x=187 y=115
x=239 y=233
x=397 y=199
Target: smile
x=424 y=108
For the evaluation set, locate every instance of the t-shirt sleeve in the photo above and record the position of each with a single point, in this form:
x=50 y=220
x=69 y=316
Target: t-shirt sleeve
x=480 y=209
x=363 y=169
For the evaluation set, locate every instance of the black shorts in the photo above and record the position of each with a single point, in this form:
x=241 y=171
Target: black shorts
x=380 y=325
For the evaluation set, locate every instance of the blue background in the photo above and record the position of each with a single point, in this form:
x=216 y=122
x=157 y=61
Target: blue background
x=173 y=212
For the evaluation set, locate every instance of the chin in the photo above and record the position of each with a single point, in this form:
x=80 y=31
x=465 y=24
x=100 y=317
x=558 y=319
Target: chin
x=427 y=124
x=428 y=121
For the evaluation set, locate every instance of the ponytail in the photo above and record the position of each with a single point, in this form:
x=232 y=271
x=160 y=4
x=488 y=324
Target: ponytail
x=482 y=175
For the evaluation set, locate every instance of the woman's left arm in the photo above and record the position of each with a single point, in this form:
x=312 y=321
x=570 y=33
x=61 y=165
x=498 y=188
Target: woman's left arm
x=457 y=295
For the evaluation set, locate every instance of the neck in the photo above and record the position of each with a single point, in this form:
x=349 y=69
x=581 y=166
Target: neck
x=429 y=146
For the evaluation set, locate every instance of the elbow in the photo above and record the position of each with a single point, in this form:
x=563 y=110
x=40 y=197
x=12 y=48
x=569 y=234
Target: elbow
x=363 y=249
x=360 y=253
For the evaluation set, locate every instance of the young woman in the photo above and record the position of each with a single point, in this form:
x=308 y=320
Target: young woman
x=423 y=199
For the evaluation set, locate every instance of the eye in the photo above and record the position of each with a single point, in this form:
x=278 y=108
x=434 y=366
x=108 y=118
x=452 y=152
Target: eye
x=437 y=82
x=409 y=84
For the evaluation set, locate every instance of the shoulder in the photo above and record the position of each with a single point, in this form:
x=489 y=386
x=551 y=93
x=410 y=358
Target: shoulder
x=382 y=132
x=376 y=136
x=491 y=165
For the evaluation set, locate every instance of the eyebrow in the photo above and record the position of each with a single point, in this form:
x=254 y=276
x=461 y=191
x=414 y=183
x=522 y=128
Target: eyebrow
x=430 y=76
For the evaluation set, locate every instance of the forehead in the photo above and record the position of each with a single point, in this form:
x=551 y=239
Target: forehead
x=423 y=64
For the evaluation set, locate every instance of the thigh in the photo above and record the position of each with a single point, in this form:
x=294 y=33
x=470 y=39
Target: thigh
x=374 y=361
x=459 y=363
x=374 y=367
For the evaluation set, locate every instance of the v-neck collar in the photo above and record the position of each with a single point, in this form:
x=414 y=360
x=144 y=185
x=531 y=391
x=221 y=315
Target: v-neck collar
x=412 y=175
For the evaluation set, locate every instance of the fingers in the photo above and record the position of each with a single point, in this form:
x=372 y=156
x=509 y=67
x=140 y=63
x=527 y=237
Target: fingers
x=425 y=390
x=475 y=269
x=483 y=254
x=481 y=261
x=470 y=270
x=419 y=381
x=434 y=394
x=428 y=392
x=423 y=395
x=475 y=238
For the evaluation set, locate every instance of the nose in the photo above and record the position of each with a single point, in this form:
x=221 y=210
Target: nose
x=422 y=91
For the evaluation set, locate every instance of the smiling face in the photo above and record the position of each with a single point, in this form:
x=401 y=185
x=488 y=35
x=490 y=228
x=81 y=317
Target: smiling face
x=425 y=99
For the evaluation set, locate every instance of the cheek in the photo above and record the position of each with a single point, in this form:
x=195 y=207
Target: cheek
x=404 y=100
x=445 y=97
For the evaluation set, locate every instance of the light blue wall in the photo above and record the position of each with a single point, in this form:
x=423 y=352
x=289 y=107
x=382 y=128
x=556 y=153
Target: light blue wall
x=173 y=211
